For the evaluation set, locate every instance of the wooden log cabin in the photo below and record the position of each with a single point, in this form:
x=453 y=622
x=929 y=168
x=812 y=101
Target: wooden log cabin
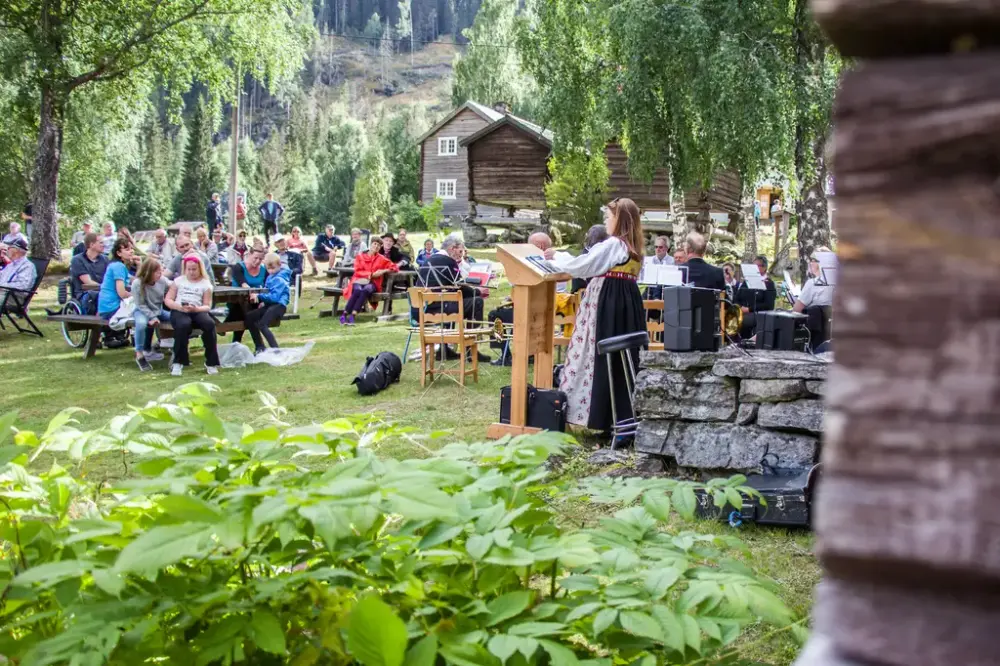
x=444 y=168
x=508 y=164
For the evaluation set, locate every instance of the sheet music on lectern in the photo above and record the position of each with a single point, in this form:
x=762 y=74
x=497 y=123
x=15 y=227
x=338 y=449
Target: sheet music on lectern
x=753 y=278
x=663 y=275
x=542 y=265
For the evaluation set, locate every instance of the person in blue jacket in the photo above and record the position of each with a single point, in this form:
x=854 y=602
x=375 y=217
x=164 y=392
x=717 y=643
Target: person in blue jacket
x=326 y=247
x=273 y=303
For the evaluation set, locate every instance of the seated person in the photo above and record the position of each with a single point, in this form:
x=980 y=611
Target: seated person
x=596 y=234
x=206 y=245
x=701 y=274
x=222 y=241
x=442 y=271
x=732 y=282
x=249 y=274
x=18 y=274
x=161 y=249
x=425 y=254
x=354 y=248
x=816 y=291
x=149 y=289
x=108 y=236
x=117 y=279
x=86 y=272
x=752 y=301
x=404 y=245
x=661 y=247
x=369 y=268
x=189 y=299
x=14 y=234
x=296 y=244
x=325 y=249
x=78 y=235
x=185 y=246
x=393 y=253
x=680 y=254
x=272 y=302
x=290 y=260
x=237 y=248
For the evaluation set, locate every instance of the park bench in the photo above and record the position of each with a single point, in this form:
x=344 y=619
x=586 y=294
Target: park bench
x=94 y=324
x=338 y=293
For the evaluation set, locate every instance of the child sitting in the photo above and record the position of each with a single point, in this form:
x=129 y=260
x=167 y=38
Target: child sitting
x=189 y=299
x=149 y=289
x=273 y=303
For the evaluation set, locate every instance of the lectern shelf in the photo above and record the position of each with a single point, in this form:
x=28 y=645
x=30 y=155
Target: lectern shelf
x=534 y=295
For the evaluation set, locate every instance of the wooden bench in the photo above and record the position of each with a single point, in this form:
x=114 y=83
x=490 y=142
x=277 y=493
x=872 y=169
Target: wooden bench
x=338 y=293
x=94 y=325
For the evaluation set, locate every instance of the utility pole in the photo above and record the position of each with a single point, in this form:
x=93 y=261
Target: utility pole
x=234 y=157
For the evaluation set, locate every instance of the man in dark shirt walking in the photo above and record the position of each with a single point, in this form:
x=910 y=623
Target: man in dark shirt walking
x=270 y=212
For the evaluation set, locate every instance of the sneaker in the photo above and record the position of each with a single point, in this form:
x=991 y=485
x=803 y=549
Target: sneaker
x=350 y=320
x=211 y=369
x=176 y=369
x=154 y=356
x=315 y=272
x=343 y=319
x=143 y=364
x=259 y=350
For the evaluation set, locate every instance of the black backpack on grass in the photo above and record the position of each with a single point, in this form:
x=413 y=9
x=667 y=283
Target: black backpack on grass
x=378 y=373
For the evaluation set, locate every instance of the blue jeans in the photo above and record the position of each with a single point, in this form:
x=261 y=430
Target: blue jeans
x=143 y=341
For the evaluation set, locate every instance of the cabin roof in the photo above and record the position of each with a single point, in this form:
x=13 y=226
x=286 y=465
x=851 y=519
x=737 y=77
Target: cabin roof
x=484 y=112
x=536 y=132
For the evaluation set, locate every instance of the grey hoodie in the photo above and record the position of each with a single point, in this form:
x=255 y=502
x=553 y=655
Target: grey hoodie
x=149 y=298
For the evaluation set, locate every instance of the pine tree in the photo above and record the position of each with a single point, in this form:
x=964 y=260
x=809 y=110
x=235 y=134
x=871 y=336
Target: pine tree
x=201 y=174
x=138 y=207
x=371 y=204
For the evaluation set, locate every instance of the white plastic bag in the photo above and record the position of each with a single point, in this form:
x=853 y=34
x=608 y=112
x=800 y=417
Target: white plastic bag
x=284 y=355
x=121 y=318
x=234 y=355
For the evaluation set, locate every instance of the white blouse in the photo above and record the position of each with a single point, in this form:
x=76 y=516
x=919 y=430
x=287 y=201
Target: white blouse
x=599 y=260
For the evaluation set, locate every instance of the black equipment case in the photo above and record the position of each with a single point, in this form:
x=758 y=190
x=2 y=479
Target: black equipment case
x=788 y=495
x=546 y=408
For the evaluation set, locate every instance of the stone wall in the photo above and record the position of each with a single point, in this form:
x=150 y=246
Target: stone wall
x=729 y=410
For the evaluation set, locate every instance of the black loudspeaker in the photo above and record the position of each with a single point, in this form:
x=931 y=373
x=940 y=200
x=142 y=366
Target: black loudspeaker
x=691 y=319
x=781 y=330
x=546 y=408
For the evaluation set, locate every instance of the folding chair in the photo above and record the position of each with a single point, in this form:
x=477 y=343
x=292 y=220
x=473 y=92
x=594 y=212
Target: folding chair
x=654 y=325
x=442 y=328
x=14 y=302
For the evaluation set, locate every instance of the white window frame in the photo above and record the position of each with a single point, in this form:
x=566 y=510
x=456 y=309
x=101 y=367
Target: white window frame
x=447 y=146
x=445 y=182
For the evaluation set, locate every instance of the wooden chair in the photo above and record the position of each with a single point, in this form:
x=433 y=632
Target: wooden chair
x=438 y=328
x=563 y=322
x=415 y=305
x=654 y=326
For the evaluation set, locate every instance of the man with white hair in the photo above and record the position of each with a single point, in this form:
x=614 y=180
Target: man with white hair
x=701 y=273
x=442 y=270
x=78 y=236
x=19 y=273
x=161 y=248
x=15 y=234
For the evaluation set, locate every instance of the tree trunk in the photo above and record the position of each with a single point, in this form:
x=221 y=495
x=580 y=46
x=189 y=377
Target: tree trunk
x=749 y=232
x=677 y=217
x=45 y=195
x=813 y=212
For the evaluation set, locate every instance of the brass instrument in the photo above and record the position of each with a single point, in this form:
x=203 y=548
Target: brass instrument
x=733 y=318
x=501 y=331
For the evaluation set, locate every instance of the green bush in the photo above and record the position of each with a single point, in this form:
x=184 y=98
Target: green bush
x=298 y=545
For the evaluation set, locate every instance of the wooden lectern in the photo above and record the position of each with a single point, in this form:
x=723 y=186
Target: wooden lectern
x=534 y=327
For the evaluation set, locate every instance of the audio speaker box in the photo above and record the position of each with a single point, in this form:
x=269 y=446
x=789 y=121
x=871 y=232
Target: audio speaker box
x=691 y=319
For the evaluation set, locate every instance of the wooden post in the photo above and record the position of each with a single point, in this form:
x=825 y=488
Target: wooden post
x=907 y=513
x=235 y=153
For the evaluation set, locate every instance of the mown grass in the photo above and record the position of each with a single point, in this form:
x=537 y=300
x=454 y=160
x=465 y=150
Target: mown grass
x=43 y=376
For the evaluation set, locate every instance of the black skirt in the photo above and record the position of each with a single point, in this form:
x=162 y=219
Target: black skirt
x=619 y=312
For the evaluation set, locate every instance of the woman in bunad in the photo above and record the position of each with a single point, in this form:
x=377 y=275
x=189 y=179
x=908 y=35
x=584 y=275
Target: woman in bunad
x=611 y=306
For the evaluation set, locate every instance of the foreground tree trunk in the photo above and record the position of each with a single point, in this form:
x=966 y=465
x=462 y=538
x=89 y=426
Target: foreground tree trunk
x=813 y=212
x=45 y=194
x=906 y=517
x=749 y=227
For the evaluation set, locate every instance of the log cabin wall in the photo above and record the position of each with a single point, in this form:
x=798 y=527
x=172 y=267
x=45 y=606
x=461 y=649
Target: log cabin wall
x=649 y=196
x=508 y=167
x=434 y=166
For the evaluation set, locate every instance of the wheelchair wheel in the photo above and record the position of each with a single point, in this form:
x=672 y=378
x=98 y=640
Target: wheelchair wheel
x=75 y=339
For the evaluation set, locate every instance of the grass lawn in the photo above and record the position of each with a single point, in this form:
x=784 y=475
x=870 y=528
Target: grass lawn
x=43 y=376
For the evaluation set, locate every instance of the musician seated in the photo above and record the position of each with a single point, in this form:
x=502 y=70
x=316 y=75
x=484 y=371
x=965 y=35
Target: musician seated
x=752 y=301
x=816 y=291
x=702 y=274
x=442 y=272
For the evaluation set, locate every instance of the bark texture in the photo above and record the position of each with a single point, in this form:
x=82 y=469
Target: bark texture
x=906 y=518
x=48 y=157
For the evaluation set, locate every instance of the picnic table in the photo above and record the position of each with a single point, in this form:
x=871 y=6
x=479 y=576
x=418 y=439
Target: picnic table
x=220 y=269
x=93 y=324
x=394 y=288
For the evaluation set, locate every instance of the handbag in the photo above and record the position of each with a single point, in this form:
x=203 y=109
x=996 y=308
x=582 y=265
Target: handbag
x=360 y=282
x=546 y=409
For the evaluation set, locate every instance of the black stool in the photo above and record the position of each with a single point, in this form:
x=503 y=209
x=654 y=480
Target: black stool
x=623 y=345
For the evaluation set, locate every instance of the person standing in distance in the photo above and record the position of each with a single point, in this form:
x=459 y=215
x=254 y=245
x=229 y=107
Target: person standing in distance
x=213 y=212
x=270 y=212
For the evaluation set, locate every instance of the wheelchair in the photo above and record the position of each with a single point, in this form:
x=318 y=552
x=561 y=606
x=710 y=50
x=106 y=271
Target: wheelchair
x=87 y=305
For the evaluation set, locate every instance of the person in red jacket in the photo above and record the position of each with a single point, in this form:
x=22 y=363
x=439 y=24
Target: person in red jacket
x=369 y=268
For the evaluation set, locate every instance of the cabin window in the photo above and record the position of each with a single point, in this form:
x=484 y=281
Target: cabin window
x=446 y=188
x=448 y=146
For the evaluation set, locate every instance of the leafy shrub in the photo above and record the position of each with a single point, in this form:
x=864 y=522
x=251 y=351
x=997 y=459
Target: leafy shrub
x=224 y=546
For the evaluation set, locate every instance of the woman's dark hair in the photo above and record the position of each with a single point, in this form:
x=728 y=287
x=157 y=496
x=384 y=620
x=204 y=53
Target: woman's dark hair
x=596 y=234
x=120 y=244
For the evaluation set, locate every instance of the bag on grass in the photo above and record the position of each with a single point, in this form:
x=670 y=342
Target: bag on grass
x=378 y=373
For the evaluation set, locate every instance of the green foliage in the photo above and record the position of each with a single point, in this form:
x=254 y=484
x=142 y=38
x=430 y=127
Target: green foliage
x=578 y=187
x=202 y=173
x=398 y=136
x=371 y=205
x=489 y=71
x=138 y=208
x=228 y=544
x=433 y=214
x=407 y=213
x=695 y=86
